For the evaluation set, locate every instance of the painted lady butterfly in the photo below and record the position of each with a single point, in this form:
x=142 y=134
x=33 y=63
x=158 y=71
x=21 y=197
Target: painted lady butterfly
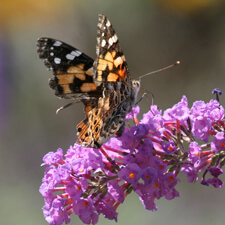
x=104 y=85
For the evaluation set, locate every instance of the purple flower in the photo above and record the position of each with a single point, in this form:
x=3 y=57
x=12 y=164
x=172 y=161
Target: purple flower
x=215 y=110
x=179 y=111
x=63 y=173
x=84 y=208
x=115 y=191
x=133 y=114
x=151 y=114
x=218 y=143
x=211 y=105
x=147 y=195
x=158 y=164
x=149 y=175
x=218 y=92
x=53 y=157
x=194 y=152
x=131 y=173
x=167 y=186
x=203 y=116
x=191 y=172
x=140 y=131
x=155 y=123
x=106 y=208
x=128 y=140
x=169 y=147
x=215 y=171
x=146 y=158
x=201 y=127
x=95 y=159
x=49 y=182
x=79 y=166
x=217 y=114
x=216 y=182
x=76 y=187
x=56 y=214
x=143 y=155
x=148 y=201
x=198 y=108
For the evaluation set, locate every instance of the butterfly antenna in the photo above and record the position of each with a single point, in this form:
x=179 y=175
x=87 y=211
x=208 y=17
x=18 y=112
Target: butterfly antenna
x=160 y=70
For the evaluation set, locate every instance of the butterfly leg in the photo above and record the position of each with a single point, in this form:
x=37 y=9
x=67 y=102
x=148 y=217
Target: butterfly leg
x=65 y=106
x=146 y=95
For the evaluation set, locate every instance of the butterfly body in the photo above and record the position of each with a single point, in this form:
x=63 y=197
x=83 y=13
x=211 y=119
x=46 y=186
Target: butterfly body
x=104 y=86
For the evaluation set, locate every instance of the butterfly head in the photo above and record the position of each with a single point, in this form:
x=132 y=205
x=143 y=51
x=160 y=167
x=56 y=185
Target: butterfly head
x=136 y=87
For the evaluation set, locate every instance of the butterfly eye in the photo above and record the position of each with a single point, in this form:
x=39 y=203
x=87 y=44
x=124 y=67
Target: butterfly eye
x=135 y=84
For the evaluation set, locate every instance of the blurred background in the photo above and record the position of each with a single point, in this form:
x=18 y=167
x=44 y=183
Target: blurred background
x=152 y=34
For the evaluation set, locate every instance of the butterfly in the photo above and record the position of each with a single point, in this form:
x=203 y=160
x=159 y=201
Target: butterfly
x=103 y=85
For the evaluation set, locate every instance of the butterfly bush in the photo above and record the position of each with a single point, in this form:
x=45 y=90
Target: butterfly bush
x=146 y=160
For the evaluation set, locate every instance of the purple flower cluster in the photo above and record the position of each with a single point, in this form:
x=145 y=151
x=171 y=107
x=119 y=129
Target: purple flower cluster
x=146 y=159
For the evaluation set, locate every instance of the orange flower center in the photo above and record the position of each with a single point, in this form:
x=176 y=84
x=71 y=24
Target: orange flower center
x=222 y=144
x=85 y=203
x=78 y=187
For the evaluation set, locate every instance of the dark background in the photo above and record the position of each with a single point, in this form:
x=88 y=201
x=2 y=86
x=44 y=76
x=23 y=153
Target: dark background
x=152 y=34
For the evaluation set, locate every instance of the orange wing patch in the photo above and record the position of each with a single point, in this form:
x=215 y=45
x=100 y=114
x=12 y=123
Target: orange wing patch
x=87 y=87
x=122 y=72
x=76 y=69
x=103 y=63
x=112 y=64
x=90 y=72
x=112 y=77
x=109 y=57
x=65 y=78
x=66 y=89
x=82 y=129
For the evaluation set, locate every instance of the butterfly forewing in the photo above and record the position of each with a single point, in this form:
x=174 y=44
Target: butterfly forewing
x=72 y=69
x=110 y=65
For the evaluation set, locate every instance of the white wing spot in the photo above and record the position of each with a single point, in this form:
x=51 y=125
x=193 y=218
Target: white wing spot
x=110 y=42
x=101 y=26
x=52 y=48
x=51 y=53
x=76 y=53
x=103 y=43
x=73 y=54
x=70 y=57
x=108 y=24
x=115 y=38
x=57 y=43
x=57 y=60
